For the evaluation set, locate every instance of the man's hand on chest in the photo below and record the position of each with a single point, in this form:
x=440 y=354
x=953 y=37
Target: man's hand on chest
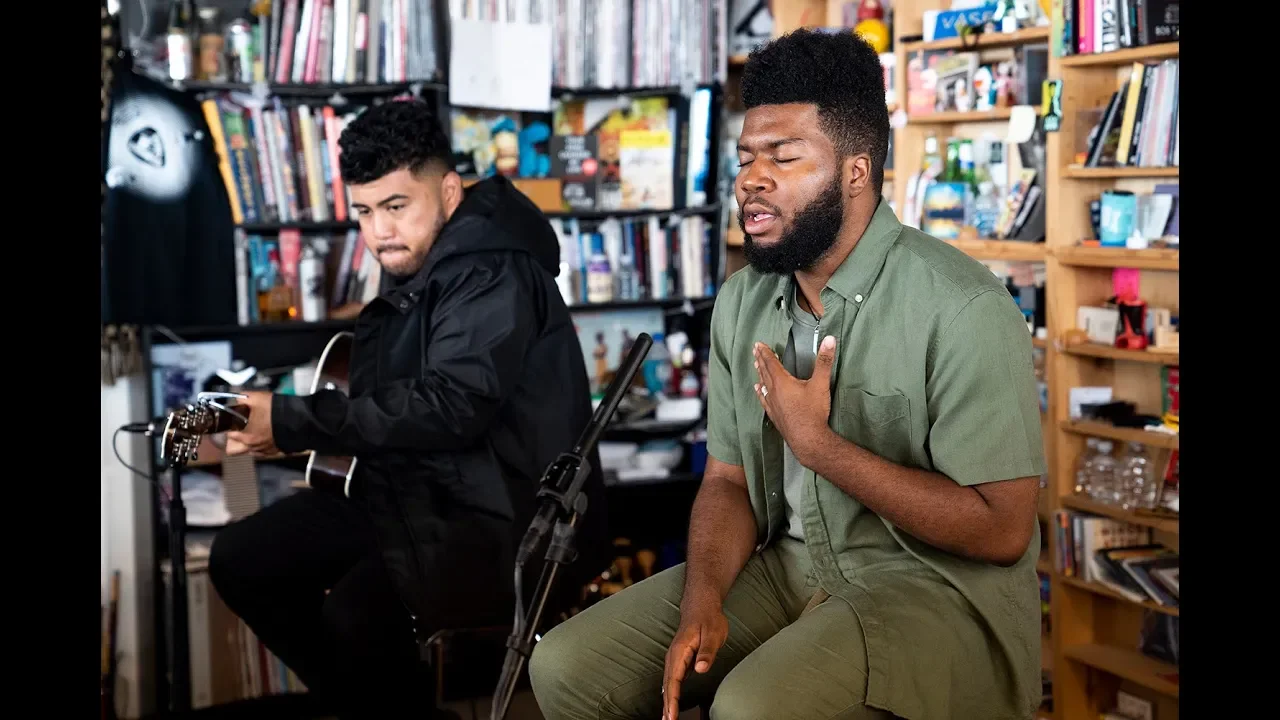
x=800 y=409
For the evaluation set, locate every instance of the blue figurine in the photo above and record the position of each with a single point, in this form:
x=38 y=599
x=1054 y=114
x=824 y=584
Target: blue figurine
x=533 y=163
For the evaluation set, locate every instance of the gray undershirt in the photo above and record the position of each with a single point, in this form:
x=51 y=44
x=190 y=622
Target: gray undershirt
x=798 y=359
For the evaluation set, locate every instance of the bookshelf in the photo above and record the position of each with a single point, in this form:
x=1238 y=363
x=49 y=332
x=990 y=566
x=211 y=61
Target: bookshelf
x=1093 y=643
x=1095 y=629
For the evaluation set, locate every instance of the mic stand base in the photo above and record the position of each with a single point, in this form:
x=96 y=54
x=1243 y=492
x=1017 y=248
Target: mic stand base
x=560 y=552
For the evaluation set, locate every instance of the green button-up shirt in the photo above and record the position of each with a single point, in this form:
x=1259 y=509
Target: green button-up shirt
x=933 y=370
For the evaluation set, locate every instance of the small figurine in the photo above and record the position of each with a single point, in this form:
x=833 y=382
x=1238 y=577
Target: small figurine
x=963 y=98
x=983 y=88
x=1006 y=16
x=1005 y=90
x=506 y=147
x=534 y=164
x=870 y=25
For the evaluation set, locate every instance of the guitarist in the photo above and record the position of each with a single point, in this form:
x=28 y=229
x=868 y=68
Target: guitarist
x=467 y=379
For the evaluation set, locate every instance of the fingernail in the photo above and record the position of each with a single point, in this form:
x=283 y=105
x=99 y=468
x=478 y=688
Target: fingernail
x=828 y=342
x=702 y=666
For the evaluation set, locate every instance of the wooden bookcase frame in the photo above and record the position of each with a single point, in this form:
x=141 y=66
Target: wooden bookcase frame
x=1096 y=632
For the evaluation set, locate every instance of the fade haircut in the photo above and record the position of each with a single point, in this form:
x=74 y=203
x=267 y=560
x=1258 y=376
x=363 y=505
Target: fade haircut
x=395 y=135
x=838 y=72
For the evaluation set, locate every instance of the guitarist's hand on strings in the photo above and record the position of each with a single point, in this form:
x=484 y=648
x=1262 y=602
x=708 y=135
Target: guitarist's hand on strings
x=256 y=437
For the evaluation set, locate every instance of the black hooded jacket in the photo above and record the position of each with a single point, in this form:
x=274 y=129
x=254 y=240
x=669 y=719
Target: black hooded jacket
x=467 y=380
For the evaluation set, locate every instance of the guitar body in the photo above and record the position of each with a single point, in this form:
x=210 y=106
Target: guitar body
x=332 y=473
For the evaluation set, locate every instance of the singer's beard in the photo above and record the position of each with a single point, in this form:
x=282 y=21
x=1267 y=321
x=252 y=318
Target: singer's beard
x=808 y=238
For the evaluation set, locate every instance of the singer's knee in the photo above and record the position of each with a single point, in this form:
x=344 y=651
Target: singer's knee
x=556 y=668
x=552 y=656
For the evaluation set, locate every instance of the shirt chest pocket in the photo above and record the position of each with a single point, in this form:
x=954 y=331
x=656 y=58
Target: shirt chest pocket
x=877 y=423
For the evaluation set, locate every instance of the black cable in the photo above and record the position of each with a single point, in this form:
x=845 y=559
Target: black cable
x=119 y=459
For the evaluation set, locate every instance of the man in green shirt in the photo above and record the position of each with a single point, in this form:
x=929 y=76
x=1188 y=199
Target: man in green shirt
x=864 y=541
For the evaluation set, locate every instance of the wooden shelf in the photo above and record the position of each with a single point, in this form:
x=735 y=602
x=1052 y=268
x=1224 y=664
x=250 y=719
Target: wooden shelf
x=1079 y=172
x=1145 y=53
x=1094 y=627
x=888 y=175
x=1159 y=523
x=1104 y=591
x=1011 y=250
x=1150 y=259
x=734 y=237
x=273 y=228
x=1122 y=434
x=1039 y=343
x=939 y=118
x=1127 y=664
x=1098 y=350
x=313 y=90
x=983 y=41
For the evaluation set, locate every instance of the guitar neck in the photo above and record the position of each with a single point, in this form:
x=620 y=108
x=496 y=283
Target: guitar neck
x=230 y=421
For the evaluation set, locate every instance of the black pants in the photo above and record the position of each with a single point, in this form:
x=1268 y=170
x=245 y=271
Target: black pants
x=353 y=646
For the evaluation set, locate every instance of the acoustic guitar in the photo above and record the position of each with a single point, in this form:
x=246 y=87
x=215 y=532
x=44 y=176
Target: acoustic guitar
x=216 y=412
x=333 y=372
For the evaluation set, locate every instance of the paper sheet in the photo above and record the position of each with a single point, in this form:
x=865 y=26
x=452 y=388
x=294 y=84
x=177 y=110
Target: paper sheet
x=500 y=65
x=1022 y=123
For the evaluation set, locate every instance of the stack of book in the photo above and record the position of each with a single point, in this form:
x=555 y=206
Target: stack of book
x=1118 y=555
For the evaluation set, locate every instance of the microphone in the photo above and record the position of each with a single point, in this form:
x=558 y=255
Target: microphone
x=564 y=478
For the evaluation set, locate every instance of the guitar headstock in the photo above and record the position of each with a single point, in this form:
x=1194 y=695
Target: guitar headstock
x=211 y=413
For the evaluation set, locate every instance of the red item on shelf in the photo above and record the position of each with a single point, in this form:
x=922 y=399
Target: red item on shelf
x=1132 y=333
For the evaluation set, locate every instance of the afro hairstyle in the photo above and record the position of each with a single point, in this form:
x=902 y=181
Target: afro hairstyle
x=838 y=72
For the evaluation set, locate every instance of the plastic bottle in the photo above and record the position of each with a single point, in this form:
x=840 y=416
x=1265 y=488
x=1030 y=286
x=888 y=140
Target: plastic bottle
x=599 y=274
x=1103 y=477
x=311 y=285
x=986 y=210
x=1137 y=481
x=628 y=278
x=657 y=366
x=1084 y=467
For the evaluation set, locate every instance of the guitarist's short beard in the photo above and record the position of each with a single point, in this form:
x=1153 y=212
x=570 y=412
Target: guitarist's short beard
x=418 y=262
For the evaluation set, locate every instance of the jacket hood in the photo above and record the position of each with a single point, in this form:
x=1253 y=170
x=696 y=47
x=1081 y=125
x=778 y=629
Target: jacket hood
x=494 y=215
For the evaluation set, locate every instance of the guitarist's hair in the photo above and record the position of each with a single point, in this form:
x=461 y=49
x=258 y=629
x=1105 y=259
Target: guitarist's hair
x=393 y=136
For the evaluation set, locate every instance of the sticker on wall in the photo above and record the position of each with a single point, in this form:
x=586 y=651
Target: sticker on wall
x=1051 y=110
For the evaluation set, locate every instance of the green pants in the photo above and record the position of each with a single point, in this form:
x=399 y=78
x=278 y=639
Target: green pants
x=780 y=660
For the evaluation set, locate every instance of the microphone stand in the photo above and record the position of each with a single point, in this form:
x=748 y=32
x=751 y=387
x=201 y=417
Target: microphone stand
x=180 y=699
x=179 y=640
x=180 y=692
x=562 y=505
